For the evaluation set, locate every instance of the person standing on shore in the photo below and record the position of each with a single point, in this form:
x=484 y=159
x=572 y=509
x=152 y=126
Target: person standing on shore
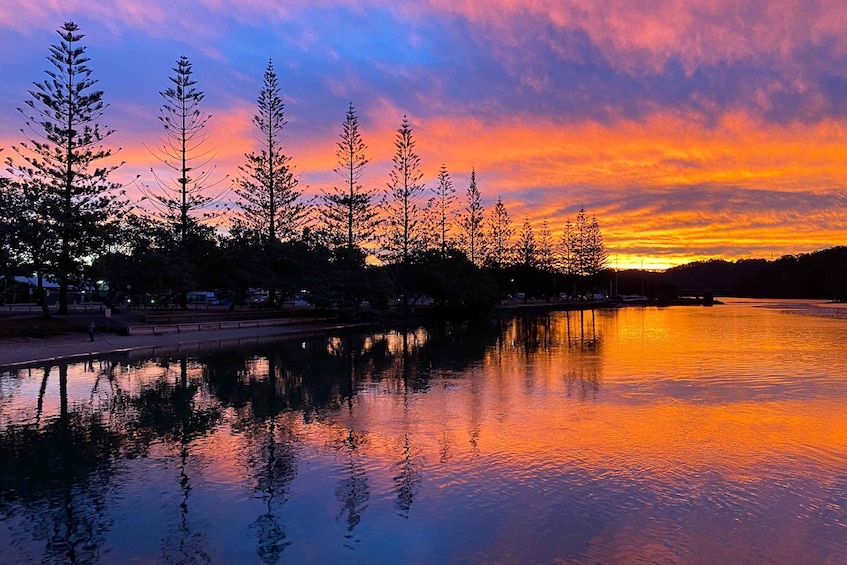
x=91 y=331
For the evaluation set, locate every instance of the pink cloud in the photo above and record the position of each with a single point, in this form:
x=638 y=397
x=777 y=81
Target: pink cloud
x=639 y=35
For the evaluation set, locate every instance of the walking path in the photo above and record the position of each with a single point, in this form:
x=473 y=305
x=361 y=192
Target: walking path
x=33 y=351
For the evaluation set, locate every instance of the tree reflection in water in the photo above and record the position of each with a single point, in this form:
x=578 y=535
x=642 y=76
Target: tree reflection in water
x=408 y=479
x=261 y=390
x=274 y=468
x=55 y=476
x=582 y=330
x=279 y=469
x=353 y=491
x=57 y=471
x=178 y=413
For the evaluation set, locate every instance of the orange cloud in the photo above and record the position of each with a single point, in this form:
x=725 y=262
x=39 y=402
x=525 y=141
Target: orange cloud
x=668 y=187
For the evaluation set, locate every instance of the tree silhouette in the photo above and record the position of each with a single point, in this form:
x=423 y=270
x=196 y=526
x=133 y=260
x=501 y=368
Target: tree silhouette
x=581 y=248
x=526 y=246
x=25 y=232
x=67 y=187
x=270 y=204
x=471 y=222
x=404 y=229
x=545 y=247
x=7 y=232
x=567 y=250
x=596 y=257
x=184 y=201
x=500 y=232
x=442 y=205
x=348 y=210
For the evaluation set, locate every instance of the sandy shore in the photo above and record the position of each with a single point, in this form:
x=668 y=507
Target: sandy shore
x=19 y=352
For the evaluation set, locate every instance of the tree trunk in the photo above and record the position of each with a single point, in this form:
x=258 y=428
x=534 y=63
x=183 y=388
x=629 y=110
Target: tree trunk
x=42 y=295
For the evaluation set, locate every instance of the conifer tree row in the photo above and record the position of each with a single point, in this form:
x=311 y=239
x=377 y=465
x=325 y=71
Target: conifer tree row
x=59 y=207
x=582 y=251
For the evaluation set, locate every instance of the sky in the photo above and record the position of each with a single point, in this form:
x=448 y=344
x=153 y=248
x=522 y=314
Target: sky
x=691 y=129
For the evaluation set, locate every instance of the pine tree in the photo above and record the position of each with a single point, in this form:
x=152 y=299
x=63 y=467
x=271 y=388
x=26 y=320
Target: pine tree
x=348 y=211
x=581 y=251
x=471 y=223
x=567 y=254
x=596 y=258
x=526 y=248
x=545 y=247
x=500 y=232
x=64 y=179
x=443 y=208
x=270 y=206
x=404 y=226
x=184 y=201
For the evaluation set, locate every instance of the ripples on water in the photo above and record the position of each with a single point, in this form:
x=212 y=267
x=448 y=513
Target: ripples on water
x=625 y=436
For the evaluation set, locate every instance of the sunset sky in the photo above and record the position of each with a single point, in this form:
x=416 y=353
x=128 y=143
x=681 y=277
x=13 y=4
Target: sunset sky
x=692 y=129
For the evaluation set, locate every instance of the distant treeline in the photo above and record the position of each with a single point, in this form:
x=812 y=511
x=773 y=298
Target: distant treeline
x=818 y=275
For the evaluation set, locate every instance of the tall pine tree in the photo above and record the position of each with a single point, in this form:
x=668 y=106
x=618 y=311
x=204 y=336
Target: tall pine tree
x=442 y=207
x=545 y=247
x=581 y=250
x=471 y=223
x=65 y=168
x=500 y=236
x=270 y=206
x=567 y=249
x=526 y=247
x=348 y=210
x=185 y=200
x=403 y=214
x=596 y=257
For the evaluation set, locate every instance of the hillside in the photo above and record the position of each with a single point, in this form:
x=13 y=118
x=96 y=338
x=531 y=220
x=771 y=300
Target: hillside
x=822 y=275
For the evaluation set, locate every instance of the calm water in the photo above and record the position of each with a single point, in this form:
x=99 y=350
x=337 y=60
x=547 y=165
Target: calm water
x=695 y=435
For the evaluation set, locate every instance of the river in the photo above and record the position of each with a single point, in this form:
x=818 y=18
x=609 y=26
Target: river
x=632 y=435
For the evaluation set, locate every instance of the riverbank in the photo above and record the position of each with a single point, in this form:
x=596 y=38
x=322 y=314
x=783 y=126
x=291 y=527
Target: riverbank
x=16 y=352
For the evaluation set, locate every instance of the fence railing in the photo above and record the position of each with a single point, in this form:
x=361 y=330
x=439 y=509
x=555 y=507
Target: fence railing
x=27 y=308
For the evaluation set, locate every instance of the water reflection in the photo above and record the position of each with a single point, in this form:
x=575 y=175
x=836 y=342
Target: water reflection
x=55 y=475
x=640 y=434
x=353 y=491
